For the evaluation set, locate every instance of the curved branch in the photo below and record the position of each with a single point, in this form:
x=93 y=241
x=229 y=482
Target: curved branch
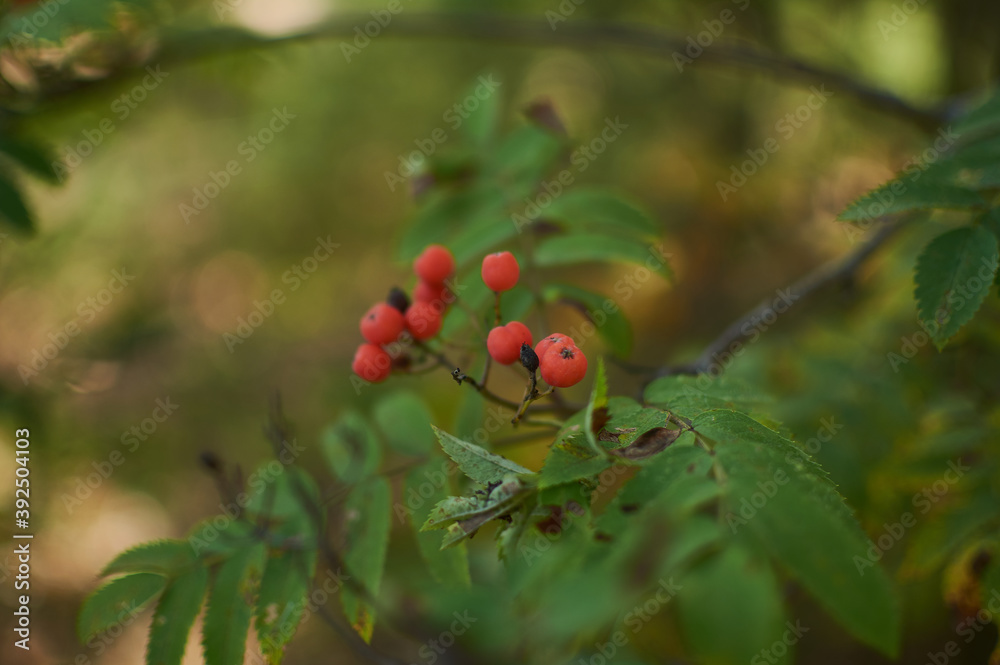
x=745 y=326
x=181 y=47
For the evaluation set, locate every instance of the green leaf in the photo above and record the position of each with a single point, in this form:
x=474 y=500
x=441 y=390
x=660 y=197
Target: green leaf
x=599 y=209
x=480 y=125
x=32 y=157
x=592 y=247
x=568 y=462
x=116 y=602
x=689 y=395
x=797 y=515
x=404 y=420
x=456 y=508
x=427 y=486
x=906 y=194
x=477 y=463
x=522 y=159
x=445 y=213
x=602 y=311
x=175 y=614
x=954 y=275
x=351 y=448
x=597 y=408
x=164 y=557
x=680 y=470
x=281 y=601
x=230 y=606
x=13 y=208
x=366 y=543
x=737 y=591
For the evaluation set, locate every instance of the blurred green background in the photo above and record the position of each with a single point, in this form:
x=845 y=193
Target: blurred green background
x=323 y=176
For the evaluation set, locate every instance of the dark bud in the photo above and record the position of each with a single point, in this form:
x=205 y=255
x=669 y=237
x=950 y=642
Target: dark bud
x=543 y=113
x=210 y=461
x=397 y=298
x=529 y=358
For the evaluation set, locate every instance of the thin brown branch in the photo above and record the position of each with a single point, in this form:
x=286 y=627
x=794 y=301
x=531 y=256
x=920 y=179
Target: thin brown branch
x=745 y=326
x=182 y=47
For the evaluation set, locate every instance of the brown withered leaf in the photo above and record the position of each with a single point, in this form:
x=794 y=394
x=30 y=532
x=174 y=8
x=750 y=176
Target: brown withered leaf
x=599 y=419
x=648 y=443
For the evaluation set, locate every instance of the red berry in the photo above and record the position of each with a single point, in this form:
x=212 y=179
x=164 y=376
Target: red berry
x=371 y=363
x=563 y=365
x=554 y=338
x=423 y=320
x=382 y=324
x=427 y=292
x=504 y=342
x=500 y=271
x=434 y=265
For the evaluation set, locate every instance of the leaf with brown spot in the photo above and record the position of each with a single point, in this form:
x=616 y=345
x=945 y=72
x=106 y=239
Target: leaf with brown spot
x=648 y=444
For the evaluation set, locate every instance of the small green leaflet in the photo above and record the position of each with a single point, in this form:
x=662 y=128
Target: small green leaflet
x=230 y=606
x=908 y=193
x=598 y=209
x=366 y=543
x=954 y=275
x=175 y=614
x=403 y=420
x=426 y=486
x=594 y=247
x=477 y=463
x=281 y=601
x=351 y=448
x=165 y=557
x=597 y=408
x=116 y=602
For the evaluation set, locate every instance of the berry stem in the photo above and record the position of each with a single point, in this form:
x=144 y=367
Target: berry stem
x=496 y=309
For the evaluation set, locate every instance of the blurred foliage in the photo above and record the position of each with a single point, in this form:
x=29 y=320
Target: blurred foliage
x=118 y=115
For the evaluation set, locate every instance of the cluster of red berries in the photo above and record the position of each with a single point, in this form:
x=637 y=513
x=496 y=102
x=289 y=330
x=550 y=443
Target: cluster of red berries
x=385 y=322
x=561 y=363
x=557 y=357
